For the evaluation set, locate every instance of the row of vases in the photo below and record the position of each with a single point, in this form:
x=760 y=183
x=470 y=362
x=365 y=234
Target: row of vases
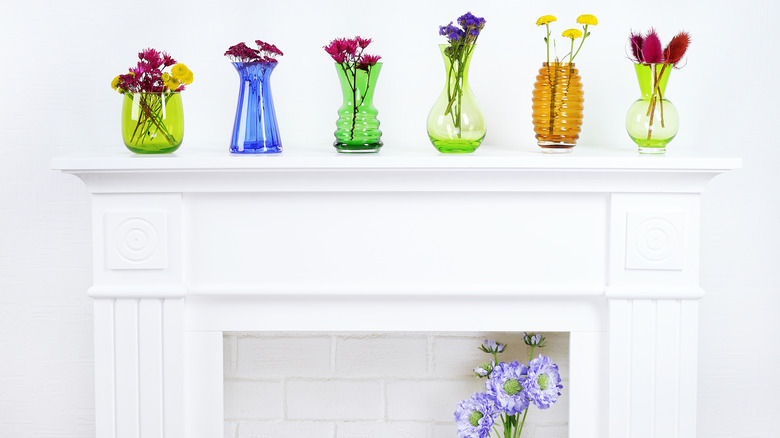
x=458 y=127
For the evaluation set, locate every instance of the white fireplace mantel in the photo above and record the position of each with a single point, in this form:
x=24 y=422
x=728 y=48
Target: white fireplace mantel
x=602 y=244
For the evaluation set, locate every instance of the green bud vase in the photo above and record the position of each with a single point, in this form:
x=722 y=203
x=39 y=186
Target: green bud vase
x=152 y=123
x=456 y=123
x=652 y=121
x=357 y=128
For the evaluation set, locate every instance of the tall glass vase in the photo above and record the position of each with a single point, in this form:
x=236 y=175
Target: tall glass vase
x=456 y=123
x=357 y=128
x=255 y=130
x=152 y=123
x=652 y=121
x=557 y=107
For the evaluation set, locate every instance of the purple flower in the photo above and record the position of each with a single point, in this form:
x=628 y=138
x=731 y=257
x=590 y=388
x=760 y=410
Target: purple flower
x=491 y=346
x=507 y=385
x=484 y=369
x=544 y=382
x=475 y=416
x=534 y=340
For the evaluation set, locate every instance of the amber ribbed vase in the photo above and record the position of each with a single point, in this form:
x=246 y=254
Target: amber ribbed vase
x=557 y=105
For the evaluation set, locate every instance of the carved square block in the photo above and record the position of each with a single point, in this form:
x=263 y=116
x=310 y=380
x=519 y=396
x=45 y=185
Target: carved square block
x=135 y=240
x=655 y=240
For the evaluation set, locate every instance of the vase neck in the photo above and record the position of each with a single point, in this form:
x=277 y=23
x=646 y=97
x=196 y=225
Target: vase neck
x=649 y=75
x=251 y=71
x=358 y=82
x=457 y=60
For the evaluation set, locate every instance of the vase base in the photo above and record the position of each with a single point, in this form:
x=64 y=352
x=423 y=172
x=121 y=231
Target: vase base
x=345 y=148
x=256 y=147
x=152 y=151
x=650 y=150
x=557 y=149
x=455 y=146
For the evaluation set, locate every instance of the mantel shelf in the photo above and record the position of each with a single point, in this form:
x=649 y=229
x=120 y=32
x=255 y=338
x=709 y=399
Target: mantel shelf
x=602 y=243
x=583 y=157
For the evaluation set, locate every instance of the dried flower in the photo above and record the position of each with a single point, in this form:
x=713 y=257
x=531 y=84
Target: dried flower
x=676 y=49
x=636 y=41
x=651 y=48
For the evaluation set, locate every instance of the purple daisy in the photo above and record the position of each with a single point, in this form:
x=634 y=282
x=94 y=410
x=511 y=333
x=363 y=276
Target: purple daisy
x=507 y=384
x=544 y=382
x=475 y=416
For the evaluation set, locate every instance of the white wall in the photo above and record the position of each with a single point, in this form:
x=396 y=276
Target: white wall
x=58 y=58
x=361 y=385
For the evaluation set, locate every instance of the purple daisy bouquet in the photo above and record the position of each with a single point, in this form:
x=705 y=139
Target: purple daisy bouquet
x=510 y=390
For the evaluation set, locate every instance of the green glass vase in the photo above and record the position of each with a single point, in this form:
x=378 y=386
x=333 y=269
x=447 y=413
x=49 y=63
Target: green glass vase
x=652 y=121
x=357 y=128
x=152 y=123
x=456 y=123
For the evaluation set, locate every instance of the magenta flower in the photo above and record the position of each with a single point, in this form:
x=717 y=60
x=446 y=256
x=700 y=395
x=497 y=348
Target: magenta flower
x=371 y=59
x=264 y=53
x=363 y=42
x=652 y=53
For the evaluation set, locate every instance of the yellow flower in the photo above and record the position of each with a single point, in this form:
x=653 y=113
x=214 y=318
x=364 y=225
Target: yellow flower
x=181 y=73
x=588 y=19
x=170 y=82
x=545 y=19
x=572 y=33
x=115 y=83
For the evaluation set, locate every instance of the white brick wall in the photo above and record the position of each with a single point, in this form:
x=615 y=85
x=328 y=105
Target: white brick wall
x=367 y=385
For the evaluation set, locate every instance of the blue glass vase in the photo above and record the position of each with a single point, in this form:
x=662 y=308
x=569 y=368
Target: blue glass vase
x=255 y=130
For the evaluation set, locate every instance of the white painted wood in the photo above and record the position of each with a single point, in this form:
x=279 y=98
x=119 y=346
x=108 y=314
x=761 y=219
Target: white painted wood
x=689 y=335
x=105 y=383
x=642 y=368
x=204 y=407
x=667 y=368
x=402 y=240
x=126 y=368
x=389 y=313
x=588 y=378
x=173 y=367
x=620 y=370
x=150 y=376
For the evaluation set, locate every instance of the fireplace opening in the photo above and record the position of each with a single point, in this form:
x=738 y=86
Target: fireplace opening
x=362 y=384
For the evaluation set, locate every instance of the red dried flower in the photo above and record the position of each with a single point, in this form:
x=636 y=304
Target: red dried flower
x=677 y=47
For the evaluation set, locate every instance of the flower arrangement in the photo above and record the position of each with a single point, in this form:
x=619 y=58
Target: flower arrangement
x=647 y=50
x=585 y=20
x=511 y=389
x=265 y=52
x=155 y=87
x=461 y=40
x=351 y=58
